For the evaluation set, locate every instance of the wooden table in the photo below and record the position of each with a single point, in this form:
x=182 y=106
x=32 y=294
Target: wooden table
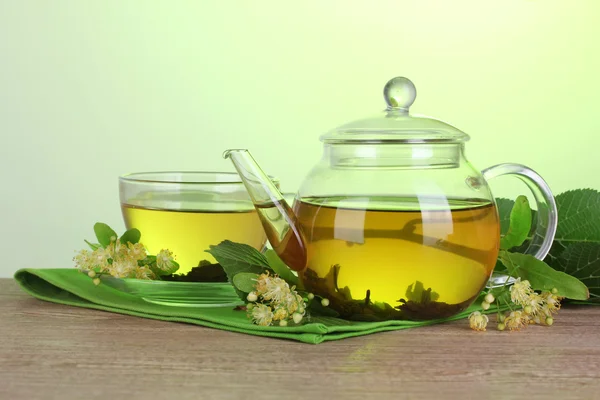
x=51 y=351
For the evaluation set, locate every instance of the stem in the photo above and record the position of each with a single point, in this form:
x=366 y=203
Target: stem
x=509 y=307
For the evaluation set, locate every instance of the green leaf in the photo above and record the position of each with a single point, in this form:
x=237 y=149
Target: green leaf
x=318 y=309
x=93 y=246
x=520 y=224
x=236 y=258
x=132 y=236
x=543 y=277
x=582 y=260
x=281 y=268
x=504 y=208
x=577 y=239
x=578 y=216
x=240 y=252
x=245 y=281
x=104 y=233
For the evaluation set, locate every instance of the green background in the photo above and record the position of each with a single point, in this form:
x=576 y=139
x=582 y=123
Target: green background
x=90 y=90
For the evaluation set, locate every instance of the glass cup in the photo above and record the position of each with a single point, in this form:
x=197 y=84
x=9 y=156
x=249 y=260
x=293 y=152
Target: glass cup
x=186 y=212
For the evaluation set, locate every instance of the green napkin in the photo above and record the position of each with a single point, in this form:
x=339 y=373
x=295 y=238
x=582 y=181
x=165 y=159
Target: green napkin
x=70 y=287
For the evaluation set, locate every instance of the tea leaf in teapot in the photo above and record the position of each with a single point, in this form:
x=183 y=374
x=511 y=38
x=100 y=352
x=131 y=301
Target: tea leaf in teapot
x=281 y=268
x=238 y=257
x=245 y=281
x=104 y=233
x=131 y=235
x=416 y=292
x=519 y=225
x=543 y=277
x=582 y=260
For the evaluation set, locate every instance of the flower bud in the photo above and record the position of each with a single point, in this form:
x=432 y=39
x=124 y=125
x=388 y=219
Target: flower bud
x=324 y=302
x=310 y=296
x=297 y=318
x=92 y=274
x=549 y=321
x=489 y=298
x=501 y=326
x=96 y=281
x=527 y=309
x=252 y=297
x=283 y=322
x=485 y=305
x=554 y=291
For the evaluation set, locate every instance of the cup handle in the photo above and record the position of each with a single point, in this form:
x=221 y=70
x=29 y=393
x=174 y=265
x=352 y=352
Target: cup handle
x=547 y=215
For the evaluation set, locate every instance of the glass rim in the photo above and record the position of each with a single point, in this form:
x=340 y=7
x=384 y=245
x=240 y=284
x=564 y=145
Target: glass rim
x=154 y=177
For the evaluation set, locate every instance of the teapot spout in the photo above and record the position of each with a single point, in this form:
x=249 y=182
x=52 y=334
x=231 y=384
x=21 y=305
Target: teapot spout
x=278 y=219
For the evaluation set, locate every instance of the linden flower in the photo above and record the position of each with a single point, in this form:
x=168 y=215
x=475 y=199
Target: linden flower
x=520 y=292
x=478 y=321
x=280 y=314
x=516 y=320
x=99 y=258
x=294 y=303
x=551 y=303
x=533 y=304
x=116 y=249
x=262 y=282
x=261 y=314
x=164 y=260
x=144 y=273
x=122 y=268
x=273 y=288
x=83 y=260
x=136 y=251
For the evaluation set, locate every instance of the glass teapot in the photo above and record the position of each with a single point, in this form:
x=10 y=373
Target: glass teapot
x=393 y=222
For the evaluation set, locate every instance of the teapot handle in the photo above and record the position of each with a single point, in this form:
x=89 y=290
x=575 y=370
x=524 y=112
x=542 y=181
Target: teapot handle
x=547 y=215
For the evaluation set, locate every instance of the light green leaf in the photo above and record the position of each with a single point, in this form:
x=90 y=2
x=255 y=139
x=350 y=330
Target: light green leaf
x=245 y=281
x=93 y=246
x=148 y=260
x=104 y=233
x=162 y=272
x=281 y=268
x=520 y=224
x=236 y=258
x=543 y=277
x=132 y=236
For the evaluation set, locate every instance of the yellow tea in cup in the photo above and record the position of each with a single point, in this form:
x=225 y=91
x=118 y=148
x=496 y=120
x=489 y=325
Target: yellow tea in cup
x=186 y=212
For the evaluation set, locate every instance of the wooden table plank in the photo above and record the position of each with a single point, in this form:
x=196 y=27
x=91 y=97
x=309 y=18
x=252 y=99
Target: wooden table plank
x=51 y=351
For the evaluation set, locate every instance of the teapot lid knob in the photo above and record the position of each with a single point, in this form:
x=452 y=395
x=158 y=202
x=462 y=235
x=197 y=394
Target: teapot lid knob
x=399 y=94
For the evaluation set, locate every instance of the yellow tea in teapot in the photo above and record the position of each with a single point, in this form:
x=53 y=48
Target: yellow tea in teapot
x=380 y=258
x=189 y=233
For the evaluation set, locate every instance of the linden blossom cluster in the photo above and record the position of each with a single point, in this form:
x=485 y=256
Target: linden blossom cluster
x=536 y=308
x=123 y=261
x=274 y=300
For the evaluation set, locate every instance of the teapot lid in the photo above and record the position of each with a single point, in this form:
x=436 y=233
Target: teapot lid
x=395 y=124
